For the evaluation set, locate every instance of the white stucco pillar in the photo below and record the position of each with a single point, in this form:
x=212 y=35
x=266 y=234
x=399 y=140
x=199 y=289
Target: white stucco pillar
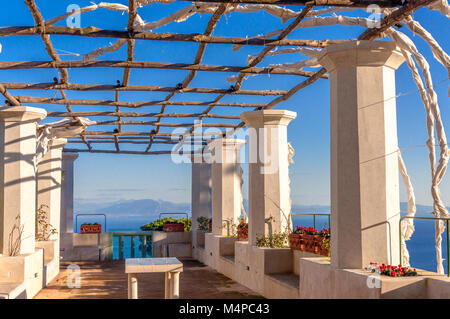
x=201 y=189
x=67 y=188
x=17 y=176
x=365 y=203
x=49 y=183
x=226 y=184
x=269 y=202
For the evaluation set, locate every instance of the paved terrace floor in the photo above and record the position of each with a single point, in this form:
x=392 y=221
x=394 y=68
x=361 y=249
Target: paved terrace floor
x=107 y=280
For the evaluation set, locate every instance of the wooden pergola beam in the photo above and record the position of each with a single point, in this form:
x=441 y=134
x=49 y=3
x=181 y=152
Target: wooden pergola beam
x=94 y=32
x=135 y=114
x=43 y=100
x=70 y=150
x=26 y=65
x=144 y=88
x=328 y=3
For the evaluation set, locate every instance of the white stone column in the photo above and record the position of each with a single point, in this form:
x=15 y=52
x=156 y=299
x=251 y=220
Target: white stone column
x=17 y=175
x=226 y=184
x=67 y=189
x=201 y=189
x=49 y=183
x=269 y=202
x=365 y=202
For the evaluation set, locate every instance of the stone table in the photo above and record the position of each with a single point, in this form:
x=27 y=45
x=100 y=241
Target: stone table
x=170 y=266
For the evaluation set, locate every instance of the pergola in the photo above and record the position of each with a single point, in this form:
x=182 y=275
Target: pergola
x=120 y=114
x=365 y=158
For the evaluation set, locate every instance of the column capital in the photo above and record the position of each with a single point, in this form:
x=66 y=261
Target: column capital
x=268 y=117
x=361 y=53
x=22 y=113
x=58 y=143
x=227 y=143
x=69 y=156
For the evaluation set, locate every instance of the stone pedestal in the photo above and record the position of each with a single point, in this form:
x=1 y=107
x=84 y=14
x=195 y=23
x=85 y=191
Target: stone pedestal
x=365 y=202
x=67 y=189
x=269 y=202
x=49 y=178
x=201 y=189
x=226 y=185
x=18 y=177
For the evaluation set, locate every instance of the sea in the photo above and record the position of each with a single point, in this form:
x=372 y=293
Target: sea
x=421 y=246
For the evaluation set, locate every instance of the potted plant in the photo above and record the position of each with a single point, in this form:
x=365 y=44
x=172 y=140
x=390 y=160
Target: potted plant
x=311 y=238
x=242 y=230
x=91 y=228
x=391 y=271
x=173 y=226
x=324 y=243
x=204 y=224
x=296 y=241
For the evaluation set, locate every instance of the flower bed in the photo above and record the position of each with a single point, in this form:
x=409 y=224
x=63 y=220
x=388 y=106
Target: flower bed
x=242 y=230
x=392 y=271
x=310 y=240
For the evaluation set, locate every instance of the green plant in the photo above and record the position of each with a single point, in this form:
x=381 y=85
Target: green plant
x=158 y=224
x=203 y=223
x=14 y=243
x=43 y=228
x=276 y=240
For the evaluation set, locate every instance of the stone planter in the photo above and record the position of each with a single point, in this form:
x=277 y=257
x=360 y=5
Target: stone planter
x=90 y=229
x=242 y=233
x=173 y=228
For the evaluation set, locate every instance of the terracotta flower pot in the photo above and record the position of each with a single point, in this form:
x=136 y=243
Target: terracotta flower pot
x=296 y=242
x=90 y=229
x=173 y=228
x=242 y=233
x=210 y=226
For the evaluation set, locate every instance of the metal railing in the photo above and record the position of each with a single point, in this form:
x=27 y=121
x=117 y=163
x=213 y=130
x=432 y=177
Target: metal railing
x=446 y=219
x=314 y=217
x=187 y=215
x=76 y=218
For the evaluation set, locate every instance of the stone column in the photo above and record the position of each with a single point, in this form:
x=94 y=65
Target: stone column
x=365 y=203
x=269 y=202
x=66 y=224
x=17 y=176
x=226 y=184
x=201 y=189
x=49 y=184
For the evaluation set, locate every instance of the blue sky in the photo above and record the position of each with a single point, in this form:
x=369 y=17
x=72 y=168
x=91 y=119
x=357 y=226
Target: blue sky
x=104 y=177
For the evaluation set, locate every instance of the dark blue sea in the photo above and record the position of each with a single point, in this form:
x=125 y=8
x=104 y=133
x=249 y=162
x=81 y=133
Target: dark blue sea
x=420 y=246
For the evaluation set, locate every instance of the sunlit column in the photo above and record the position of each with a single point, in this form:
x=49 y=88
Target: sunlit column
x=269 y=201
x=18 y=178
x=365 y=203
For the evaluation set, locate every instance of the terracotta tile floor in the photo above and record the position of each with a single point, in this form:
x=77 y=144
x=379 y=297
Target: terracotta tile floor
x=107 y=280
